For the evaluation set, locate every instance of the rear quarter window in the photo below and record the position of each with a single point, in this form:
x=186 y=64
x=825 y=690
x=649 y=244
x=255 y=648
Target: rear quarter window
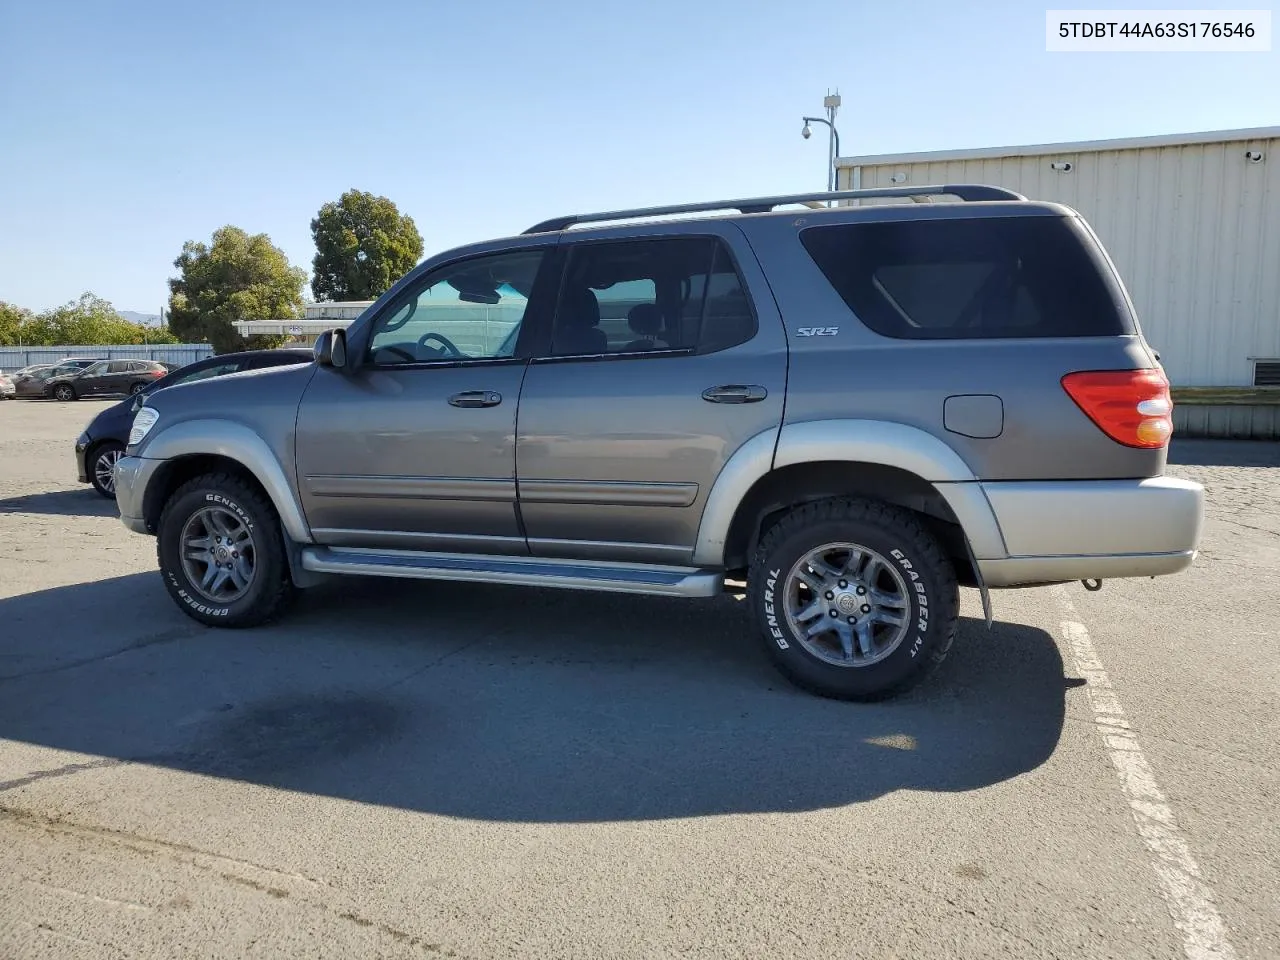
x=971 y=278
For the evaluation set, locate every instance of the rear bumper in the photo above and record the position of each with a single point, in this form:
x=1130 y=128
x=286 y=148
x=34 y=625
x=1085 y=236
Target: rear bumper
x=1027 y=571
x=1055 y=531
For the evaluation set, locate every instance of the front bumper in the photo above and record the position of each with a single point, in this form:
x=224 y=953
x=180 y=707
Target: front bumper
x=132 y=475
x=82 y=448
x=1076 y=530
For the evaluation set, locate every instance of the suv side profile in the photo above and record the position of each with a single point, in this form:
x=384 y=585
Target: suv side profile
x=105 y=378
x=855 y=409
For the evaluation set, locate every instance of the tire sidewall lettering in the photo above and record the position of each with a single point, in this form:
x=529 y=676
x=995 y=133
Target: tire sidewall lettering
x=224 y=501
x=921 y=599
x=770 y=610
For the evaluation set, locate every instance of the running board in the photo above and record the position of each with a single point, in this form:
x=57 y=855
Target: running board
x=663 y=581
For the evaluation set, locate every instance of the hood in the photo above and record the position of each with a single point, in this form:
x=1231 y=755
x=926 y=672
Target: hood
x=234 y=396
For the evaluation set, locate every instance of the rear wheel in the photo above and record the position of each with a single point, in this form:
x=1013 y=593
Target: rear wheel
x=64 y=392
x=136 y=389
x=102 y=462
x=855 y=599
x=222 y=554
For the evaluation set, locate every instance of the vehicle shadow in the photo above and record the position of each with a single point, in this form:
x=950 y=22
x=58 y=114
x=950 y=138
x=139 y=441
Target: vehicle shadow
x=1224 y=453
x=85 y=502
x=506 y=704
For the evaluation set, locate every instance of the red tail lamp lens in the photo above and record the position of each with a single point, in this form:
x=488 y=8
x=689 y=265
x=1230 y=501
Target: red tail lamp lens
x=1132 y=407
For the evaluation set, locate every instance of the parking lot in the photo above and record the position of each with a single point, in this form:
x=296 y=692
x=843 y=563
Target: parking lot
x=440 y=770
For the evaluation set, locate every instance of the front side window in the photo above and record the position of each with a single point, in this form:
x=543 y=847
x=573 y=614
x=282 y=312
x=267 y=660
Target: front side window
x=651 y=296
x=470 y=310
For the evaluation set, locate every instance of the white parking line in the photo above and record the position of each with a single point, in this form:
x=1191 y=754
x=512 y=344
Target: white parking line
x=1204 y=935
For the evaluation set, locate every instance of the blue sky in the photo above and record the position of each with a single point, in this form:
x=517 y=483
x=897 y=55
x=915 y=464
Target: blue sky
x=127 y=128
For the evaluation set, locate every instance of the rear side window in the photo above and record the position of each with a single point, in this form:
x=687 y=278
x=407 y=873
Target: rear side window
x=214 y=370
x=971 y=278
x=651 y=296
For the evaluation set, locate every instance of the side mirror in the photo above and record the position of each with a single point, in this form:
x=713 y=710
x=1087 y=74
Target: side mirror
x=331 y=349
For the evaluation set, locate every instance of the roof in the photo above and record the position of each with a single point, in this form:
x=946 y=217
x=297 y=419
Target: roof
x=1079 y=146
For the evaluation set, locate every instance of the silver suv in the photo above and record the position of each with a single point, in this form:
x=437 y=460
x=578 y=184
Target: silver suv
x=855 y=409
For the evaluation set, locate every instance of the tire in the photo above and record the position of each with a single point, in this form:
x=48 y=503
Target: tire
x=64 y=392
x=244 y=510
x=902 y=572
x=136 y=389
x=99 y=463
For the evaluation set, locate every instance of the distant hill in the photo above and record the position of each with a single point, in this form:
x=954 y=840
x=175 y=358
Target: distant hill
x=146 y=319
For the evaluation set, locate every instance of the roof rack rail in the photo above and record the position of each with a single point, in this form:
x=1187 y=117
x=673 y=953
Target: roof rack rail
x=965 y=191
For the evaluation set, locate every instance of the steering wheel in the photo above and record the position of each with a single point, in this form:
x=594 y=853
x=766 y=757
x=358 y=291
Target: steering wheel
x=399 y=351
x=449 y=349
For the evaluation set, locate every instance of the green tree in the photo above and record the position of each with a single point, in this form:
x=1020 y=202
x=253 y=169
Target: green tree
x=13 y=321
x=88 y=321
x=363 y=245
x=236 y=277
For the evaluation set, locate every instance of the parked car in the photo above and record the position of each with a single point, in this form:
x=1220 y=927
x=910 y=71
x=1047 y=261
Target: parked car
x=856 y=409
x=105 y=378
x=7 y=390
x=31 y=382
x=103 y=440
x=79 y=362
x=30 y=369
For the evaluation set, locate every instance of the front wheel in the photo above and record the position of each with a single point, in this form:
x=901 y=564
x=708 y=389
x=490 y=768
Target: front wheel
x=64 y=392
x=222 y=553
x=102 y=468
x=855 y=599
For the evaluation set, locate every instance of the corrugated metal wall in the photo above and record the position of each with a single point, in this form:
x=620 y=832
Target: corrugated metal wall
x=15 y=358
x=1194 y=231
x=1237 y=421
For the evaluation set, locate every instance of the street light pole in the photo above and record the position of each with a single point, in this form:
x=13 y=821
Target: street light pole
x=832 y=105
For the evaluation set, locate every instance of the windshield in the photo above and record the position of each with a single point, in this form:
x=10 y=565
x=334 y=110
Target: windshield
x=52 y=372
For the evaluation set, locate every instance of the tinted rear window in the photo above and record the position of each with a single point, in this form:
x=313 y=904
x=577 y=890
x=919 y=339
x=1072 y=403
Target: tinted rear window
x=971 y=278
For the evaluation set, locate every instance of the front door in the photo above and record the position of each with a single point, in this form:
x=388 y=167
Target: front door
x=667 y=355
x=414 y=447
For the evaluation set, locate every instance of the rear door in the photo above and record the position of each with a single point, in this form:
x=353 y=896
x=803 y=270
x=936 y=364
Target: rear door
x=118 y=376
x=666 y=355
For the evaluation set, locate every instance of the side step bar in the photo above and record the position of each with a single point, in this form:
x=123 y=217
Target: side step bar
x=641 y=578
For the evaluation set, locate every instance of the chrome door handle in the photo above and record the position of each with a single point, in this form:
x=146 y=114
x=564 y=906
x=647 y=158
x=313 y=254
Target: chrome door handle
x=735 y=393
x=476 y=398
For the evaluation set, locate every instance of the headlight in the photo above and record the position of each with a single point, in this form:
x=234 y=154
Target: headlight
x=142 y=423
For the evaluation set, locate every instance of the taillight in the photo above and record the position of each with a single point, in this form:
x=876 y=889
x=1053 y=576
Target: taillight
x=1132 y=407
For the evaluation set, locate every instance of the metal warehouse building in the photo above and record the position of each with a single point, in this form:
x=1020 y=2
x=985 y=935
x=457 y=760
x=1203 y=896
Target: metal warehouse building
x=1193 y=224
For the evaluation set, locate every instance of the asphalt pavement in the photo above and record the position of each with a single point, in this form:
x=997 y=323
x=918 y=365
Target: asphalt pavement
x=440 y=770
